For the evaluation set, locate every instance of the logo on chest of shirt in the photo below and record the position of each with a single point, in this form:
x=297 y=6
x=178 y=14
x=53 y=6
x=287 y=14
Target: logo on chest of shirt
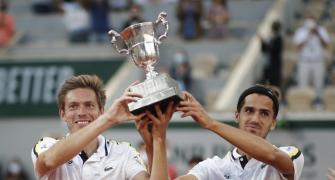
x=108 y=168
x=138 y=160
x=226 y=176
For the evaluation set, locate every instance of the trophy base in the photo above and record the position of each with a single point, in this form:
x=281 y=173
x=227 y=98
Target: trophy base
x=160 y=89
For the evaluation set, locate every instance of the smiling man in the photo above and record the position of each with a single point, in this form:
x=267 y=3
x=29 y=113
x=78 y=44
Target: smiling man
x=253 y=157
x=84 y=153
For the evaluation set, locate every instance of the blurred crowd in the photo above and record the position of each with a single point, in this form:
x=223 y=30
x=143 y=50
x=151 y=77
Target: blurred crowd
x=7 y=25
x=88 y=20
x=13 y=170
x=310 y=85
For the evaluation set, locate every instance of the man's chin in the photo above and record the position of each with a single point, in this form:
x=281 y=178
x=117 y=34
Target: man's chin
x=78 y=126
x=253 y=131
x=82 y=125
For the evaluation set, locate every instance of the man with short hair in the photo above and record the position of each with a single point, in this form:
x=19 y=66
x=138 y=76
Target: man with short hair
x=253 y=157
x=84 y=153
x=311 y=40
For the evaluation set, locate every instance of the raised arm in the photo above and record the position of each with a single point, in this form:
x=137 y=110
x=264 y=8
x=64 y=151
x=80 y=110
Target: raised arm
x=160 y=125
x=322 y=34
x=144 y=127
x=159 y=122
x=254 y=146
x=66 y=148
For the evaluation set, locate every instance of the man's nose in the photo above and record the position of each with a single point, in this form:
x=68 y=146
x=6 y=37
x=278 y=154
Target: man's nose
x=82 y=110
x=255 y=118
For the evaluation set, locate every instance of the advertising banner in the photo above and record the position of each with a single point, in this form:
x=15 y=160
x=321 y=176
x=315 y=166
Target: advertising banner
x=29 y=88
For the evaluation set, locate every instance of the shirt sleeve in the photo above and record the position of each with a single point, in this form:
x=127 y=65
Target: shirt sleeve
x=300 y=36
x=203 y=169
x=324 y=35
x=297 y=157
x=135 y=164
x=42 y=145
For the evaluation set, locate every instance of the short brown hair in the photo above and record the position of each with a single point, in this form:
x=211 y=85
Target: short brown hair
x=270 y=91
x=83 y=81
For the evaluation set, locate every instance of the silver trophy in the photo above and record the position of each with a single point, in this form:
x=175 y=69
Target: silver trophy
x=142 y=42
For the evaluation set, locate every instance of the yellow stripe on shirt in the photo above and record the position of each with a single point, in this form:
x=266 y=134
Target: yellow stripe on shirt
x=37 y=148
x=294 y=153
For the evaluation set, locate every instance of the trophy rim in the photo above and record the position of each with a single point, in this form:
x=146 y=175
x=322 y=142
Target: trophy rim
x=136 y=25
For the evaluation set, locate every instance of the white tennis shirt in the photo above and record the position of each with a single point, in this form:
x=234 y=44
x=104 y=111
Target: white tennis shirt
x=113 y=160
x=312 y=51
x=230 y=167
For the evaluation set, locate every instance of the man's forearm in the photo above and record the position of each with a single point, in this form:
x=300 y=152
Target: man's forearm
x=159 y=166
x=252 y=145
x=71 y=145
x=149 y=151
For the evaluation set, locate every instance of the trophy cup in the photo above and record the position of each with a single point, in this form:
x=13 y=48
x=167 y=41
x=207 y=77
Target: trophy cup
x=142 y=43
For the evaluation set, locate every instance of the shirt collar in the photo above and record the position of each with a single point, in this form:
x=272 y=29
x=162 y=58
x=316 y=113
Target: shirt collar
x=242 y=159
x=102 y=147
x=234 y=154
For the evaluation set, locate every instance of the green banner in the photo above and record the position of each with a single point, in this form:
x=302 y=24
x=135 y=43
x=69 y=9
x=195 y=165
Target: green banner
x=29 y=88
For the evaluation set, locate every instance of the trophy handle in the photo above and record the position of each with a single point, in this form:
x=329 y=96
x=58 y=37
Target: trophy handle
x=162 y=19
x=115 y=37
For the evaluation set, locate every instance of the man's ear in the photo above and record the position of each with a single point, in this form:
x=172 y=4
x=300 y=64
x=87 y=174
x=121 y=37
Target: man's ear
x=61 y=113
x=274 y=123
x=237 y=117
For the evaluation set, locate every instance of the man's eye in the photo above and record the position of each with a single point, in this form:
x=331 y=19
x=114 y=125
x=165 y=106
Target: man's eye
x=72 y=107
x=265 y=114
x=91 y=106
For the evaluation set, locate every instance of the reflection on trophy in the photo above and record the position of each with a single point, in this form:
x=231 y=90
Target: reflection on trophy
x=142 y=45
